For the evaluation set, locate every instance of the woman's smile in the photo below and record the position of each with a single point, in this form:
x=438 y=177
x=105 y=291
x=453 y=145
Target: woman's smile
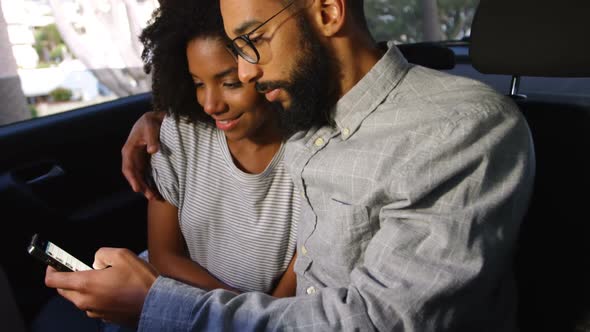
x=228 y=124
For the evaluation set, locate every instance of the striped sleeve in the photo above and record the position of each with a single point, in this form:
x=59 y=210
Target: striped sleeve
x=166 y=176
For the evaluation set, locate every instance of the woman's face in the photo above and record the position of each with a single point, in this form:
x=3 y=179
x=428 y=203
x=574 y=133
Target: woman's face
x=236 y=107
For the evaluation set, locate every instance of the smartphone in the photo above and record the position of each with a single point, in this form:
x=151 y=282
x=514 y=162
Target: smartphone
x=54 y=256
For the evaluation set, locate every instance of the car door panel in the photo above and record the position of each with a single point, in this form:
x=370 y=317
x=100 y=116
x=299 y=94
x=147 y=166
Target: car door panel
x=61 y=176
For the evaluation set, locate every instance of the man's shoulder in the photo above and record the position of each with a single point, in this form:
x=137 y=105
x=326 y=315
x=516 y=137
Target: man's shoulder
x=435 y=83
x=431 y=93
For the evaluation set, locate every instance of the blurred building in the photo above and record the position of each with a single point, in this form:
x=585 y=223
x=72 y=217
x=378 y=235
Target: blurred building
x=22 y=18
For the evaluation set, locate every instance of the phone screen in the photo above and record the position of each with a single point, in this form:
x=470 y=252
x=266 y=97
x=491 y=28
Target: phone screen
x=66 y=259
x=52 y=255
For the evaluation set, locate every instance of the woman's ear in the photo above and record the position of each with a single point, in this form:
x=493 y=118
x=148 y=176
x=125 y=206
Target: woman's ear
x=329 y=16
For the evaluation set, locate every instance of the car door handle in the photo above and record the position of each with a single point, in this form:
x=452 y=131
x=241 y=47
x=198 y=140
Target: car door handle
x=37 y=174
x=54 y=172
x=22 y=185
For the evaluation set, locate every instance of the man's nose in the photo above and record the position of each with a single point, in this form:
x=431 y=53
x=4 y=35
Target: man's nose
x=248 y=72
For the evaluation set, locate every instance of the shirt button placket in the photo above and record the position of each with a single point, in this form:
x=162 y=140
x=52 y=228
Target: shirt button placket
x=310 y=290
x=303 y=250
x=319 y=142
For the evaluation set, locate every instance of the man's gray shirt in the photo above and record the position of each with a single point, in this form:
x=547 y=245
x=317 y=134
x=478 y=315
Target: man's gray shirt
x=411 y=208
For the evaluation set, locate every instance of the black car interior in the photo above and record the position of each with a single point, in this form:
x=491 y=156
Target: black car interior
x=547 y=39
x=60 y=176
x=64 y=180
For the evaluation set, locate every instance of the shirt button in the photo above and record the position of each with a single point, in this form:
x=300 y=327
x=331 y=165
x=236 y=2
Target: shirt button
x=345 y=132
x=310 y=290
x=303 y=250
x=319 y=142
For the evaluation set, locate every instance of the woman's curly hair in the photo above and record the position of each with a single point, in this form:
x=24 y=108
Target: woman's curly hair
x=172 y=26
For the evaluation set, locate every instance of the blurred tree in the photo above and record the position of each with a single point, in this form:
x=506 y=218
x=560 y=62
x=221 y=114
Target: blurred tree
x=103 y=35
x=49 y=45
x=431 y=28
x=408 y=21
x=60 y=94
x=456 y=17
x=14 y=107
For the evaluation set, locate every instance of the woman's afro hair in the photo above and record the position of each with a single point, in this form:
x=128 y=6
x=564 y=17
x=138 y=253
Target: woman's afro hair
x=172 y=26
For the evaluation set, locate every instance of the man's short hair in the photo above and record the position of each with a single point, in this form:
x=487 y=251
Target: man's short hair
x=356 y=7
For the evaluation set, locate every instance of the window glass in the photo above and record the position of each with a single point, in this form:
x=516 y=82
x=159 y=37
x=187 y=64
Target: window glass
x=411 y=21
x=59 y=55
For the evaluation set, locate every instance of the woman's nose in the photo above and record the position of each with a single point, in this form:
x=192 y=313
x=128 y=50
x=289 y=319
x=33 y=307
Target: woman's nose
x=213 y=103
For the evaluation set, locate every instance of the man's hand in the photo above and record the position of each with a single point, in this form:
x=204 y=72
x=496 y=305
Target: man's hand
x=114 y=292
x=143 y=140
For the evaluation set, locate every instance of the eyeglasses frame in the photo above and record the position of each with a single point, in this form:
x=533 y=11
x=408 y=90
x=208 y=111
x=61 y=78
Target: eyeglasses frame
x=237 y=51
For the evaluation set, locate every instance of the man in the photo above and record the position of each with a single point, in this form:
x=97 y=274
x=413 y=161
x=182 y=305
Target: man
x=414 y=184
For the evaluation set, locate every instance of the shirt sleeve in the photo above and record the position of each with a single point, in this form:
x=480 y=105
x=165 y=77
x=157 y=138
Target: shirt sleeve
x=165 y=162
x=174 y=306
x=439 y=253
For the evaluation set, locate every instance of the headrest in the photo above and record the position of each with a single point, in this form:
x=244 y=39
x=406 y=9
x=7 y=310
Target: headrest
x=532 y=38
x=429 y=55
x=426 y=54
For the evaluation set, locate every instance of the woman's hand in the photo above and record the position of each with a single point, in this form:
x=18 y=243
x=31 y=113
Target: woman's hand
x=114 y=292
x=287 y=286
x=143 y=140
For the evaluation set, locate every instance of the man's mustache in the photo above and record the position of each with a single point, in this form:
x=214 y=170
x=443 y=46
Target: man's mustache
x=263 y=87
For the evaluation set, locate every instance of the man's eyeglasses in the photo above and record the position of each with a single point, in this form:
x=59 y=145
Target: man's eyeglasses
x=243 y=46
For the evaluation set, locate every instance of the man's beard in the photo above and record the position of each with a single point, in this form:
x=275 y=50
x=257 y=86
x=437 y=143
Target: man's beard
x=311 y=86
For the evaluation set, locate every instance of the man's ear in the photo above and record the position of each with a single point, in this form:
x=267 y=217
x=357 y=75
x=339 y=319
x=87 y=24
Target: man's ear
x=329 y=16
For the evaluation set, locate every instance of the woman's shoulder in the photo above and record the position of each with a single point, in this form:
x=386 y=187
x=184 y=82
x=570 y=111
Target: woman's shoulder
x=184 y=128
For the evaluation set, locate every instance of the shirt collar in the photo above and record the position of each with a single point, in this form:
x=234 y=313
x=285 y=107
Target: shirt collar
x=370 y=91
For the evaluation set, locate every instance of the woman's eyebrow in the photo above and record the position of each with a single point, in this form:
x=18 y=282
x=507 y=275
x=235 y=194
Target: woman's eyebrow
x=226 y=72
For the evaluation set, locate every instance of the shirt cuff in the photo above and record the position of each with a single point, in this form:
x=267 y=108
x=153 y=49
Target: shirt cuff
x=167 y=306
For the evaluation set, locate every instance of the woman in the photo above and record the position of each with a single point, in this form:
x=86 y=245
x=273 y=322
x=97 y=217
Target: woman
x=228 y=218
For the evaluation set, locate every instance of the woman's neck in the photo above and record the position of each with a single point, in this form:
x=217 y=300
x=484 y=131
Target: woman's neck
x=254 y=154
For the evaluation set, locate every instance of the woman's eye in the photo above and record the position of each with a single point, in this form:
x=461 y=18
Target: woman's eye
x=198 y=84
x=233 y=85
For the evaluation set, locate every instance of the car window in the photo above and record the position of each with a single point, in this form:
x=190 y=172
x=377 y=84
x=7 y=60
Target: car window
x=60 y=55
x=411 y=21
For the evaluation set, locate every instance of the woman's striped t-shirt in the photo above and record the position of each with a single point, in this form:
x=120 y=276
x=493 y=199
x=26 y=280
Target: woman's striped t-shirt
x=241 y=227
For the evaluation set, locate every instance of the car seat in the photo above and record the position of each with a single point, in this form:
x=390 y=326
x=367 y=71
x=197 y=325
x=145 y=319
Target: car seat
x=547 y=39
